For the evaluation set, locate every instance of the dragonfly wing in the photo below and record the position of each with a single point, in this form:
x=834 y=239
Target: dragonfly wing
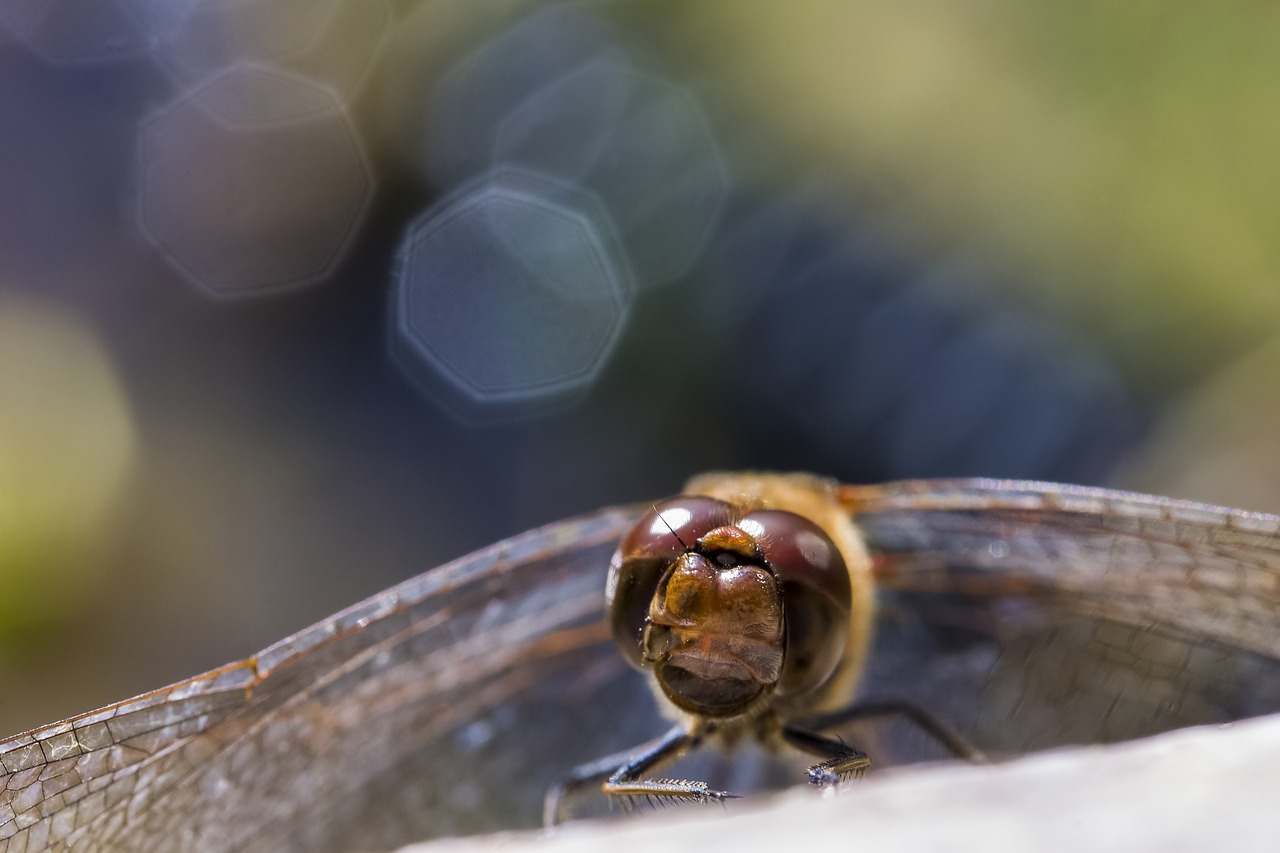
x=1036 y=615
x=444 y=705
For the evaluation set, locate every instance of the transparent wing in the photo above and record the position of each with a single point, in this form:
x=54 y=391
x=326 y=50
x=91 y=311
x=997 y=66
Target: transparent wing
x=1027 y=614
x=445 y=705
x=1034 y=614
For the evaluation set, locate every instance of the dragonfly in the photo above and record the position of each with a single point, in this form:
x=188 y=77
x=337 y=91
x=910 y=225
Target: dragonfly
x=1027 y=615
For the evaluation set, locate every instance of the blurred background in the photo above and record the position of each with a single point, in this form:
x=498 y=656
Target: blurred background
x=300 y=298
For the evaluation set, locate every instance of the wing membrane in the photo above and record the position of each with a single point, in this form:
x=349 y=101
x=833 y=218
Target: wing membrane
x=351 y=734
x=1037 y=614
x=1028 y=614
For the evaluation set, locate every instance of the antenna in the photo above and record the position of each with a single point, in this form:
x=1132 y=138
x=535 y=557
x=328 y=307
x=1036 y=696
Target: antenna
x=672 y=529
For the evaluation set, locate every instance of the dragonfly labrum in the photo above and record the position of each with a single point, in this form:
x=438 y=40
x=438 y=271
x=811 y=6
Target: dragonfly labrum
x=1025 y=615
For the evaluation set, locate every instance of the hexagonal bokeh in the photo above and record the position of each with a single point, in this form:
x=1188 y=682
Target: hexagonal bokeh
x=557 y=94
x=641 y=143
x=332 y=41
x=495 y=77
x=254 y=182
x=509 y=297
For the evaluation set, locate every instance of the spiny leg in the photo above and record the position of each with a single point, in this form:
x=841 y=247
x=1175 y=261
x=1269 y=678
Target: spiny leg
x=670 y=745
x=625 y=784
x=842 y=759
x=618 y=774
x=949 y=738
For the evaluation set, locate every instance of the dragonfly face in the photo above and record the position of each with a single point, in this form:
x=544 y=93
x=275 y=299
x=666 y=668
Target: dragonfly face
x=729 y=609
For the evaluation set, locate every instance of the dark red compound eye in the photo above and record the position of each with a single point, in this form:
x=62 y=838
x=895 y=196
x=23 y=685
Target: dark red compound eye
x=664 y=533
x=816 y=594
x=815 y=587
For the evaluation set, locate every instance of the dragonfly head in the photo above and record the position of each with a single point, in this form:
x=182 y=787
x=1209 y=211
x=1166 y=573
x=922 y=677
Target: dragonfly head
x=729 y=609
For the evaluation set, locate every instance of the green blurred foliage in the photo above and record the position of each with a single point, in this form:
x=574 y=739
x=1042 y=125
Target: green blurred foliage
x=66 y=447
x=1119 y=159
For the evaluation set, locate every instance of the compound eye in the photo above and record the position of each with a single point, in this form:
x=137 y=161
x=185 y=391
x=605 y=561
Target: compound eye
x=659 y=538
x=816 y=594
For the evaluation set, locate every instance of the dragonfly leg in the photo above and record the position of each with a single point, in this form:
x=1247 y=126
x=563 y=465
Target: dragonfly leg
x=618 y=774
x=949 y=738
x=842 y=760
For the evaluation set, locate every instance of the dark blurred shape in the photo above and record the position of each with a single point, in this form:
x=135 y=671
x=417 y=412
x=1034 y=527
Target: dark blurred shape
x=874 y=364
x=253 y=182
x=554 y=93
x=509 y=297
